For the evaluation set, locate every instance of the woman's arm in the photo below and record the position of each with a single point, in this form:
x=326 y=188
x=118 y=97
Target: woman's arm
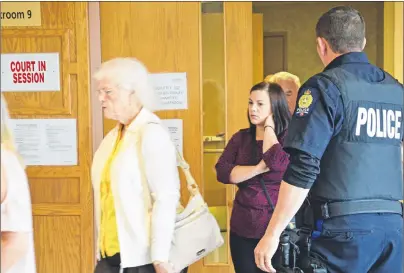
x=275 y=158
x=159 y=156
x=14 y=245
x=242 y=173
x=228 y=172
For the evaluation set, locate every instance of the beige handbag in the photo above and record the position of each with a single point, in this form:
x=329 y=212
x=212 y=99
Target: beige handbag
x=197 y=232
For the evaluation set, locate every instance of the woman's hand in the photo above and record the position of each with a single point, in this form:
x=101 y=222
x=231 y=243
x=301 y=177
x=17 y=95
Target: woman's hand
x=163 y=267
x=270 y=137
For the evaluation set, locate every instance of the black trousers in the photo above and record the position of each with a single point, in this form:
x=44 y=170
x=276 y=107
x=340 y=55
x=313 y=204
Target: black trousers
x=242 y=254
x=112 y=265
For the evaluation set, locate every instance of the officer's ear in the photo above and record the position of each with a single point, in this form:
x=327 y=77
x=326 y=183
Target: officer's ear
x=321 y=47
x=364 y=44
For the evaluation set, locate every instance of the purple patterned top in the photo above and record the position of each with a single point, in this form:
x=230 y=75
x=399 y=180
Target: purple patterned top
x=251 y=211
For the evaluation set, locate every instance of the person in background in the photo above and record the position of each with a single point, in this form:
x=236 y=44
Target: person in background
x=134 y=175
x=290 y=84
x=345 y=142
x=266 y=79
x=17 y=241
x=253 y=154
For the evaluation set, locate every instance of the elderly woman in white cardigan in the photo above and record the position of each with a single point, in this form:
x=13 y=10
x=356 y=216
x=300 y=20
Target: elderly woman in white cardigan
x=134 y=174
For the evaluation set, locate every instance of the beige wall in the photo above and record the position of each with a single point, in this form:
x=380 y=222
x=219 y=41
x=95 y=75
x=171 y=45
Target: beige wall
x=299 y=19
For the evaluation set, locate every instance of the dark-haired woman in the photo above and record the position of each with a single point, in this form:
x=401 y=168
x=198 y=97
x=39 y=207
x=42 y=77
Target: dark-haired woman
x=255 y=154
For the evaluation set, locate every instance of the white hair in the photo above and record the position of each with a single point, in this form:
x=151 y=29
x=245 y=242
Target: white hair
x=286 y=76
x=131 y=75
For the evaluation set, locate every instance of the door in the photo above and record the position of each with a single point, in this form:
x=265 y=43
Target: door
x=205 y=42
x=228 y=66
x=214 y=127
x=61 y=195
x=275 y=52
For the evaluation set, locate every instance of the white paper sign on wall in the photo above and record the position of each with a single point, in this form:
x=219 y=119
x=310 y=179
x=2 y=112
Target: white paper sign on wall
x=46 y=142
x=171 y=89
x=30 y=72
x=175 y=128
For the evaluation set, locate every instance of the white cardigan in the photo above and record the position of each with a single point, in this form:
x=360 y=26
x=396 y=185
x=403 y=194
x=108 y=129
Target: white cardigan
x=146 y=188
x=16 y=210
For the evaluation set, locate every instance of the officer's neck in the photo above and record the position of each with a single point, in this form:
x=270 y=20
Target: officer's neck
x=330 y=58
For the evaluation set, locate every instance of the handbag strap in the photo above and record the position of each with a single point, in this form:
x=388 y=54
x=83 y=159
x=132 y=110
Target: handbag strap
x=267 y=194
x=191 y=184
x=291 y=224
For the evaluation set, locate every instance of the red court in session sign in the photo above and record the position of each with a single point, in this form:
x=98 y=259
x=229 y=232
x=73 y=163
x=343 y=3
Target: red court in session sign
x=30 y=72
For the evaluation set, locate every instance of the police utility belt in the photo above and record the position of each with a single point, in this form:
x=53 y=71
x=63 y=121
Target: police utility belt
x=343 y=208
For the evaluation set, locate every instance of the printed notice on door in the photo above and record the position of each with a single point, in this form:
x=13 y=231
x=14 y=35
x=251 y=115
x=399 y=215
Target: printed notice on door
x=21 y=14
x=46 y=142
x=171 y=89
x=174 y=126
x=30 y=72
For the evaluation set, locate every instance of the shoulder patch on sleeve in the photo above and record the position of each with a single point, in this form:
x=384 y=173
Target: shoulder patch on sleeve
x=306 y=102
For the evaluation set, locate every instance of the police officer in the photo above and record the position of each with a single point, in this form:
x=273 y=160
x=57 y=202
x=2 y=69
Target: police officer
x=348 y=123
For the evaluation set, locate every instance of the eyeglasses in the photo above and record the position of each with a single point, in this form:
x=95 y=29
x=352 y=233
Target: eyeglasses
x=106 y=92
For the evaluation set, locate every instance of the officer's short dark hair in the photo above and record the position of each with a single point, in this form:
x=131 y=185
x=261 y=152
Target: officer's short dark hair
x=343 y=28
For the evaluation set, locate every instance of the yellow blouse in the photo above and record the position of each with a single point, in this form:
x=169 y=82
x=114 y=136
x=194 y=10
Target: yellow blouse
x=109 y=243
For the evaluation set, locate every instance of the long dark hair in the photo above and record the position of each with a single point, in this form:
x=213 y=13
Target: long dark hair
x=280 y=112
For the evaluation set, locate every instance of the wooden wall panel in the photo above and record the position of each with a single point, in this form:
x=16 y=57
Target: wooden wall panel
x=214 y=116
x=47 y=244
x=41 y=41
x=61 y=195
x=258 y=47
x=55 y=190
x=239 y=63
x=393 y=39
